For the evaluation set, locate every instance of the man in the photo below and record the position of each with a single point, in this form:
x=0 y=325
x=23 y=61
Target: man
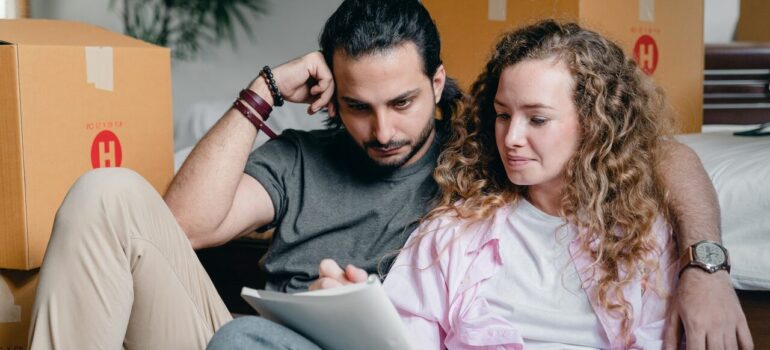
x=119 y=271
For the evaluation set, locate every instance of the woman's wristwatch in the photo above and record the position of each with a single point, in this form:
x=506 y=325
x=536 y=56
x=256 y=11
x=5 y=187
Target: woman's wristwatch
x=707 y=255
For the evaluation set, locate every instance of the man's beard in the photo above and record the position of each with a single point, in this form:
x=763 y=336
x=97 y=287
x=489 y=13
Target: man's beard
x=416 y=147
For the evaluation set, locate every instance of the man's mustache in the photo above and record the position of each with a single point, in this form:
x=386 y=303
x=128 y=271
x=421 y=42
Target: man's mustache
x=389 y=145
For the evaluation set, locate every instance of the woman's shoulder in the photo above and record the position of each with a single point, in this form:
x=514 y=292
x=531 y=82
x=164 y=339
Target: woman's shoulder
x=450 y=230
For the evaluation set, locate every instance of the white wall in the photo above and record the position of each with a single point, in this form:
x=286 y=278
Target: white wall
x=8 y=9
x=720 y=18
x=290 y=29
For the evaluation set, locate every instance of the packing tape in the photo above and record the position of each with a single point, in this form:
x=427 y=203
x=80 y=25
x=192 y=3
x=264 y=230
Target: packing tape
x=99 y=67
x=647 y=10
x=496 y=10
x=9 y=311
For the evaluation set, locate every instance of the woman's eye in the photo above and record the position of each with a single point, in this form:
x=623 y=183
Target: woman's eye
x=538 y=120
x=503 y=116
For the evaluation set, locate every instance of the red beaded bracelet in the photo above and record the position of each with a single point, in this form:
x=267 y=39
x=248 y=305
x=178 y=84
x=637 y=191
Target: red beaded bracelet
x=253 y=119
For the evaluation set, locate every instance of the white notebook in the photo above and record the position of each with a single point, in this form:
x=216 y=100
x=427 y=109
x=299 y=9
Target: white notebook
x=356 y=316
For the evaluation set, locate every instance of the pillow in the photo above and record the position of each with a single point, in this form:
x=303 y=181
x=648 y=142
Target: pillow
x=727 y=127
x=739 y=167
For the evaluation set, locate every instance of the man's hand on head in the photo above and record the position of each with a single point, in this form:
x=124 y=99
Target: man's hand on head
x=331 y=275
x=306 y=79
x=708 y=308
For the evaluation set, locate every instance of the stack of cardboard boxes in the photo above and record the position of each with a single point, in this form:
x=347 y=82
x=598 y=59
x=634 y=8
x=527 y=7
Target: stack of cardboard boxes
x=665 y=38
x=73 y=98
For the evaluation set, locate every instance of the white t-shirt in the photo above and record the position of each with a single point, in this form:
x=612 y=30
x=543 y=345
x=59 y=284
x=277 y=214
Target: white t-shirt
x=537 y=287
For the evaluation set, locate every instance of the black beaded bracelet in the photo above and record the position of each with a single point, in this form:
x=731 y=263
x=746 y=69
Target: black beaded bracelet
x=268 y=75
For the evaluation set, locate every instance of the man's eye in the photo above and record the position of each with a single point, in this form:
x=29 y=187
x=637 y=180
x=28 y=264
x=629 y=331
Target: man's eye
x=402 y=103
x=358 y=107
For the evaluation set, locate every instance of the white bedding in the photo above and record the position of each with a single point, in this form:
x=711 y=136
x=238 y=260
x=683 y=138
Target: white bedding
x=740 y=170
x=191 y=125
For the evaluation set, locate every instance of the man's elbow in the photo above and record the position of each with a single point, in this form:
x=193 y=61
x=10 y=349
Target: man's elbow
x=198 y=238
x=190 y=228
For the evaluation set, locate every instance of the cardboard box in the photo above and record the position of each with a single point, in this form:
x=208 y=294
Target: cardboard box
x=73 y=97
x=753 y=21
x=666 y=37
x=17 y=294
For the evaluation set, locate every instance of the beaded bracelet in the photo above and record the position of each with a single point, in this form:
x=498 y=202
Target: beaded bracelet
x=268 y=75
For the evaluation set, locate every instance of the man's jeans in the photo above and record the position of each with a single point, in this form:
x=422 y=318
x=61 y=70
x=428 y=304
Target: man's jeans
x=252 y=332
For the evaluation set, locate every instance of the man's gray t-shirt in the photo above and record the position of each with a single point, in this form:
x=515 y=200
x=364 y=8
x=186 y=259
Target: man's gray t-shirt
x=331 y=201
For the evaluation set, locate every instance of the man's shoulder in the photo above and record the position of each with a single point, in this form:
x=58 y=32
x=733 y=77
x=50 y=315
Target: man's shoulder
x=322 y=147
x=315 y=133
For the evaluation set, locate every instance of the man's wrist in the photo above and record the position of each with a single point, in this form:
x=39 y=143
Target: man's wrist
x=260 y=87
x=694 y=273
x=707 y=255
x=683 y=247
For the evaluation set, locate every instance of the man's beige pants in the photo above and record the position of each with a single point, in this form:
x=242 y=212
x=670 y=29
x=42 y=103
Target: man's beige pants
x=119 y=272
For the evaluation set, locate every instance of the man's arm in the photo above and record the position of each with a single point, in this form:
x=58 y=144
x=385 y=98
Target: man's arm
x=211 y=197
x=706 y=303
x=693 y=199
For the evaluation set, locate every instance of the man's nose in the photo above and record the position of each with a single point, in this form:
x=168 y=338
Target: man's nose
x=383 y=130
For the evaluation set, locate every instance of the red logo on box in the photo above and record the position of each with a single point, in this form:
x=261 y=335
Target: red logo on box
x=106 y=151
x=646 y=54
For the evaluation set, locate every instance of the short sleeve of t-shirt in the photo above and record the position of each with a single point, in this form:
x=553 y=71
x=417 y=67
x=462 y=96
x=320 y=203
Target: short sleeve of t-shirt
x=273 y=164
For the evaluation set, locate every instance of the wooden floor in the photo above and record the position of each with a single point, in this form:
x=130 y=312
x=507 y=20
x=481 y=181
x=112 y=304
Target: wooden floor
x=756 y=306
x=235 y=265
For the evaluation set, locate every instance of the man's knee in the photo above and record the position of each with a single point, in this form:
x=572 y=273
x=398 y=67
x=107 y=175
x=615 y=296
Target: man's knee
x=108 y=180
x=100 y=196
x=93 y=187
x=252 y=332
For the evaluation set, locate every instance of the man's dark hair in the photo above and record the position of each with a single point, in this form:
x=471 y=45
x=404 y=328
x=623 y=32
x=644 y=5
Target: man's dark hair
x=363 y=27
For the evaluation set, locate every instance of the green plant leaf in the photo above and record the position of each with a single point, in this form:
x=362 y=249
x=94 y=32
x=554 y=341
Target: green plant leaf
x=186 y=26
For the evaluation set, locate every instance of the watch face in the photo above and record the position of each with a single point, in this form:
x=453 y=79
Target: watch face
x=709 y=254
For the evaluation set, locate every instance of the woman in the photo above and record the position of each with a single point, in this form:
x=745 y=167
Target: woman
x=550 y=231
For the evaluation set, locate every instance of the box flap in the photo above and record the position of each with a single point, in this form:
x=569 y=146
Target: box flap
x=14 y=251
x=62 y=33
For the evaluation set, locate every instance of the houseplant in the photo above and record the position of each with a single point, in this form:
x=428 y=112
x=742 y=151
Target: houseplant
x=187 y=26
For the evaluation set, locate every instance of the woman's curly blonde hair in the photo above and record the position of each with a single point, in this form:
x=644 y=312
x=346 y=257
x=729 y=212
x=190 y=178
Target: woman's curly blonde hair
x=612 y=193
